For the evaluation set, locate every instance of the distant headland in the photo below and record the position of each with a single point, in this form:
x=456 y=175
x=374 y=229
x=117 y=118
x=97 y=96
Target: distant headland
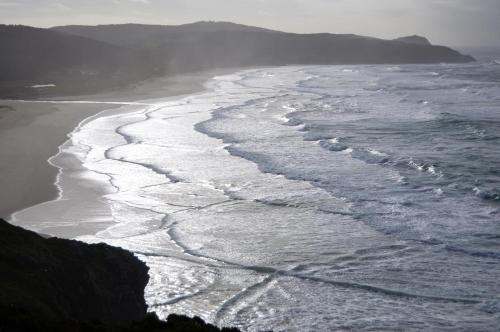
x=85 y=59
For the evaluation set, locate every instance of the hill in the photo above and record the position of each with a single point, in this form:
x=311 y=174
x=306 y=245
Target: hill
x=248 y=48
x=74 y=64
x=414 y=40
x=84 y=59
x=142 y=34
x=50 y=284
x=62 y=280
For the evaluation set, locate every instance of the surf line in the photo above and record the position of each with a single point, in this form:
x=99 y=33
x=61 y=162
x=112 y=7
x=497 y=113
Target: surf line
x=81 y=102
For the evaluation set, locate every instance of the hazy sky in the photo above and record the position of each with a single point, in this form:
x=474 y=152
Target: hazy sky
x=450 y=22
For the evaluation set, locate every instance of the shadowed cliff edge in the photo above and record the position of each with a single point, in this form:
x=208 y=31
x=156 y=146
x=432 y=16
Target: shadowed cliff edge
x=50 y=284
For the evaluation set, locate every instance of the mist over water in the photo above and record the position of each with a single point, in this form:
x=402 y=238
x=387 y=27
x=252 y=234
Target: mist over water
x=304 y=198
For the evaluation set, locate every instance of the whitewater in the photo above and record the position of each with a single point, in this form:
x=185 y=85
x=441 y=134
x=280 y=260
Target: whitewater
x=312 y=198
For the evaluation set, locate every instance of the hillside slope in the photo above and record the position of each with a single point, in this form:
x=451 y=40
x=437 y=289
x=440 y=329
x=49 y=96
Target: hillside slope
x=32 y=56
x=248 y=48
x=58 y=280
x=246 y=44
x=143 y=34
x=85 y=59
x=63 y=285
x=414 y=40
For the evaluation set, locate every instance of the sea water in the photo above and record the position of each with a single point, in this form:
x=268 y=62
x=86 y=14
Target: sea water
x=310 y=198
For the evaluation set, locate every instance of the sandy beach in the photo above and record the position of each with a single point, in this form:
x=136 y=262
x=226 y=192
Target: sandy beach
x=32 y=131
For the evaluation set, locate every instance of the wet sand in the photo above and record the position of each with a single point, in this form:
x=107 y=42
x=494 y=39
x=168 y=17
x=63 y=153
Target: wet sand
x=31 y=132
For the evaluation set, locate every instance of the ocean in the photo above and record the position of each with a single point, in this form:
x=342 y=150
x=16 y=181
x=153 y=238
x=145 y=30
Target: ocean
x=312 y=198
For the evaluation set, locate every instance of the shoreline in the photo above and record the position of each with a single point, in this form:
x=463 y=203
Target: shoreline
x=29 y=135
x=32 y=132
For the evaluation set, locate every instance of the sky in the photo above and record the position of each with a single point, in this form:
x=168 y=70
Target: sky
x=445 y=22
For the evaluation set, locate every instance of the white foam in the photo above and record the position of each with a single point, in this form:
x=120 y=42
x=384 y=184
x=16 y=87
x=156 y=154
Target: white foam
x=378 y=153
x=39 y=86
x=160 y=173
x=334 y=140
x=217 y=232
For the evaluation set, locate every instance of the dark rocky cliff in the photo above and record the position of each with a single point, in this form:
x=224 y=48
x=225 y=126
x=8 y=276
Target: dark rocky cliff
x=63 y=285
x=60 y=279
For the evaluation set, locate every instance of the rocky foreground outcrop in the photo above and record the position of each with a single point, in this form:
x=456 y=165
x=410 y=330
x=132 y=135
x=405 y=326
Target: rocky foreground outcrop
x=63 y=285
